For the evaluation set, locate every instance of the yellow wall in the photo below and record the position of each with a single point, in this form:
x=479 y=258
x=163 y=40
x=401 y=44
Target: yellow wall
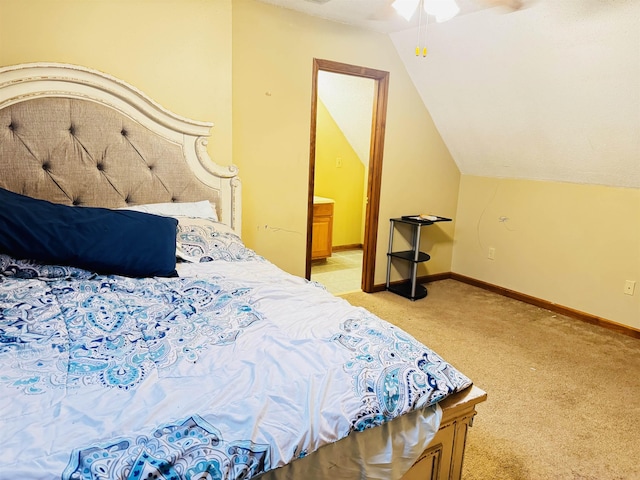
x=176 y=51
x=344 y=184
x=570 y=244
x=180 y=53
x=273 y=51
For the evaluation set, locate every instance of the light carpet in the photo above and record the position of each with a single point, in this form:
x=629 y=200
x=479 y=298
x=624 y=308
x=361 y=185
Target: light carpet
x=563 y=395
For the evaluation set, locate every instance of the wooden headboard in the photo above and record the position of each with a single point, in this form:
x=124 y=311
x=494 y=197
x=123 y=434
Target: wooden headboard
x=76 y=136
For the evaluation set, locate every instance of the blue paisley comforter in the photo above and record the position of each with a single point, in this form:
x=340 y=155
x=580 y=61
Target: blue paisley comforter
x=231 y=370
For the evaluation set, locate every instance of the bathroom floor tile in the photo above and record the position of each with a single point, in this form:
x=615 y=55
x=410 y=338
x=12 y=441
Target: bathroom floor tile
x=340 y=273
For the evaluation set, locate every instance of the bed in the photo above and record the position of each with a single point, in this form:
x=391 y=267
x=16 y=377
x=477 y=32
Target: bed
x=140 y=338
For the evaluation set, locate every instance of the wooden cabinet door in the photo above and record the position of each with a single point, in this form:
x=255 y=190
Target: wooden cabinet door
x=322 y=237
x=322 y=234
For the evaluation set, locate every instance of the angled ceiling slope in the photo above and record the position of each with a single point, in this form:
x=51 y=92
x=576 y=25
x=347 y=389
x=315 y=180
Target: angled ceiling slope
x=547 y=92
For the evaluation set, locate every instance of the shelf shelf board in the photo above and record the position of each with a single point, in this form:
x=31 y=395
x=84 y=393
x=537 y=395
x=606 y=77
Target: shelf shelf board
x=404 y=289
x=409 y=255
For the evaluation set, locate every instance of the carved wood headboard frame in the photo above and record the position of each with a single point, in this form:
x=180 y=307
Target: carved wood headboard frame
x=74 y=135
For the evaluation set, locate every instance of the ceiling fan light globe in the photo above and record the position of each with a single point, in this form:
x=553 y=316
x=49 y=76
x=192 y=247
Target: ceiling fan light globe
x=443 y=10
x=406 y=8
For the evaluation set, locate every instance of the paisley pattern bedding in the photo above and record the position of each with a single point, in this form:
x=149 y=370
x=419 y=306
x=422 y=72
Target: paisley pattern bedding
x=229 y=371
x=204 y=240
x=19 y=268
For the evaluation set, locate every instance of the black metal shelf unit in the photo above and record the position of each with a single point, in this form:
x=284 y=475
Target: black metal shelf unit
x=410 y=288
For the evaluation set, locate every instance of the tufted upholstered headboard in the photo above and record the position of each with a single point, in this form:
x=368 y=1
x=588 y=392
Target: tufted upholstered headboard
x=77 y=136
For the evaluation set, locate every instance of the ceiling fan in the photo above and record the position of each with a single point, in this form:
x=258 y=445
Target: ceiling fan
x=441 y=10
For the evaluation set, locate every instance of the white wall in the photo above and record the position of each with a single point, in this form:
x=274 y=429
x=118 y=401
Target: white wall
x=549 y=92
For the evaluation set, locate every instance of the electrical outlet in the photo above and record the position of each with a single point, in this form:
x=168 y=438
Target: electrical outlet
x=492 y=253
x=629 y=287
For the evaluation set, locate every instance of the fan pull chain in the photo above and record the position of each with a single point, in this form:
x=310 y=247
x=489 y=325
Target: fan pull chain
x=424 y=48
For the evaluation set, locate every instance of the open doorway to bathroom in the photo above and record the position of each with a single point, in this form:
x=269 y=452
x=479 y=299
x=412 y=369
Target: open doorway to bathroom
x=347 y=139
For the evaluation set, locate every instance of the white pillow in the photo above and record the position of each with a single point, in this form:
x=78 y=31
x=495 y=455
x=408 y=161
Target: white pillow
x=203 y=209
x=201 y=240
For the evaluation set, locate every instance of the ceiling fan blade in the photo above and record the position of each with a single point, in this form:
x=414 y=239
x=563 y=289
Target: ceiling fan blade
x=388 y=13
x=510 y=4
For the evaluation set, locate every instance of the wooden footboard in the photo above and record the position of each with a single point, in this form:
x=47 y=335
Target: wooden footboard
x=442 y=459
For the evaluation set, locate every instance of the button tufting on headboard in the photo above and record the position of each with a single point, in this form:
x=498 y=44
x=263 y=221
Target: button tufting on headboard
x=77 y=136
x=150 y=167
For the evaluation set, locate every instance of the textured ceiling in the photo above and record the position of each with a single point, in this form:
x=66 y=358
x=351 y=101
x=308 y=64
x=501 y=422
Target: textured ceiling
x=376 y=15
x=547 y=92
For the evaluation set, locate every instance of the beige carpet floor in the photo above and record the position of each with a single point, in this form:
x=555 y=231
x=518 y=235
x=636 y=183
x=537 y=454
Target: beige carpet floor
x=563 y=395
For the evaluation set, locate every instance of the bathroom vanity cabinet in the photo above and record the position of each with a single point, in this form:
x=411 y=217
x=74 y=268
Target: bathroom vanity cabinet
x=322 y=238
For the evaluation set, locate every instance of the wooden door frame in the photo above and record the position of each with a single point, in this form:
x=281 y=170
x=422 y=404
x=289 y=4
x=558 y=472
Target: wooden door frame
x=378 y=124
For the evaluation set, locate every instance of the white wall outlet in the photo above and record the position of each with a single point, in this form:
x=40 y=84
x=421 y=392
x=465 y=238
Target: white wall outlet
x=629 y=287
x=492 y=253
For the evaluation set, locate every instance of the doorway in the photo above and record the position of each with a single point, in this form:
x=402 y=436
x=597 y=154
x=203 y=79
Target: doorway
x=374 y=175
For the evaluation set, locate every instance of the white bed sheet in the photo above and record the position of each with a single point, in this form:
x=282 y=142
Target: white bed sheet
x=382 y=453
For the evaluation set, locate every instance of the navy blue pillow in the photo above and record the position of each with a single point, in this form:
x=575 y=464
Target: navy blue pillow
x=121 y=242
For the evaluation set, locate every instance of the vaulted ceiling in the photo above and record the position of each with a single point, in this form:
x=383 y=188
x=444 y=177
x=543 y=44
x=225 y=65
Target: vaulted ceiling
x=550 y=91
